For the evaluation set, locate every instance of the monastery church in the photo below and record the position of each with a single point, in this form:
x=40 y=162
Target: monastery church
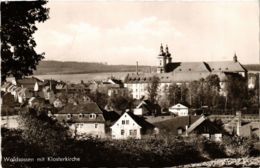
x=181 y=72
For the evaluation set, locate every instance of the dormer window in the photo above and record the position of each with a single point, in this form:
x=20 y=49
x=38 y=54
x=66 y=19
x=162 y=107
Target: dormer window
x=81 y=115
x=92 y=116
x=69 y=116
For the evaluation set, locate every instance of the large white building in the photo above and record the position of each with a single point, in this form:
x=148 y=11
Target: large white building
x=181 y=72
x=179 y=110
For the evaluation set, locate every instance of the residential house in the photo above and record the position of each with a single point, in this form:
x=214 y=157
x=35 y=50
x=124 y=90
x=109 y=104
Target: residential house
x=117 y=91
x=179 y=110
x=104 y=86
x=186 y=125
x=57 y=103
x=30 y=83
x=145 y=107
x=83 y=119
x=130 y=126
x=5 y=86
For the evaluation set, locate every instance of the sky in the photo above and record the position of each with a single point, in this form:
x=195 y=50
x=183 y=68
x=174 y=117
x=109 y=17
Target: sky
x=123 y=32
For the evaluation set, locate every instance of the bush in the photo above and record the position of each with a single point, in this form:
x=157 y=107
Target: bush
x=236 y=146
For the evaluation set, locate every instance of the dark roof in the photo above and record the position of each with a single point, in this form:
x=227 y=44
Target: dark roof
x=77 y=118
x=86 y=108
x=226 y=66
x=172 y=125
x=29 y=82
x=116 y=81
x=111 y=116
x=141 y=121
x=187 y=67
x=147 y=77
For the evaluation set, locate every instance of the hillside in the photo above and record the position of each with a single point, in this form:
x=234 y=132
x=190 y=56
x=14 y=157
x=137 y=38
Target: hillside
x=252 y=67
x=58 y=67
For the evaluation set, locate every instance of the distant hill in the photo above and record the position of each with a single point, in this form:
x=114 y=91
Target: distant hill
x=59 y=67
x=252 y=67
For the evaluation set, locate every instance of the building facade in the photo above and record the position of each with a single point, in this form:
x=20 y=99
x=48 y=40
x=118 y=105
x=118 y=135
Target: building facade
x=182 y=72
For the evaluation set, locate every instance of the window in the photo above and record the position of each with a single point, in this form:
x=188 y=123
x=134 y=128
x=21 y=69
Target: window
x=96 y=125
x=133 y=132
x=122 y=132
x=92 y=116
x=127 y=122
x=123 y=122
x=179 y=131
x=69 y=115
x=80 y=115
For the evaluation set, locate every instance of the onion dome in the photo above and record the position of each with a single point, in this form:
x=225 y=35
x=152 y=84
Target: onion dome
x=162 y=53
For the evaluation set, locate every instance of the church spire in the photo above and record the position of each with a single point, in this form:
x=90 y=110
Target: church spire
x=235 y=57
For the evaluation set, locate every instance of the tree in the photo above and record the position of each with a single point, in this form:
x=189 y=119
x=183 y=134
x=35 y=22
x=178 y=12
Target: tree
x=236 y=88
x=43 y=131
x=152 y=89
x=17 y=43
x=120 y=103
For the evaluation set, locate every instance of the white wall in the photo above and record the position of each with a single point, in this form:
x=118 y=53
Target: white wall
x=180 y=111
x=93 y=129
x=118 y=126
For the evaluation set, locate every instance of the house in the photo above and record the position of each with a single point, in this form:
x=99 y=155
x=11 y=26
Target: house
x=83 y=119
x=57 y=103
x=35 y=102
x=130 y=126
x=5 y=86
x=117 y=91
x=145 y=107
x=30 y=83
x=186 y=125
x=182 y=73
x=104 y=86
x=179 y=110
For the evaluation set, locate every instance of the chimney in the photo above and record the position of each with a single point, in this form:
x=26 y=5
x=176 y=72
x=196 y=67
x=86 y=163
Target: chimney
x=186 y=130
x=137 y=67
x=238 y=116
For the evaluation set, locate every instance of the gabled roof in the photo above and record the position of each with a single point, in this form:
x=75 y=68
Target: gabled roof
x=178 y=106
x=141 y=121
x=226 y=66
x=187 y=67
x=29 y=82
x=77 y=118
x=196 y=124
x=86 y=108
x=6 y=85
x=115 y=81
x=172 y=125
x=131 y=116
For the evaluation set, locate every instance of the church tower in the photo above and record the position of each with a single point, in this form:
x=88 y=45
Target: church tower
x=161 y=61
x=168 y=55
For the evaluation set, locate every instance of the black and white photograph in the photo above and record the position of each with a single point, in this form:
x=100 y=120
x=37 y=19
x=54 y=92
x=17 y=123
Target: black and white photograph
x=114 y=83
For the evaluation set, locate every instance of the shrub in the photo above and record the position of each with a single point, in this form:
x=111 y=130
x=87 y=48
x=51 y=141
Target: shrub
x=236 y=146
